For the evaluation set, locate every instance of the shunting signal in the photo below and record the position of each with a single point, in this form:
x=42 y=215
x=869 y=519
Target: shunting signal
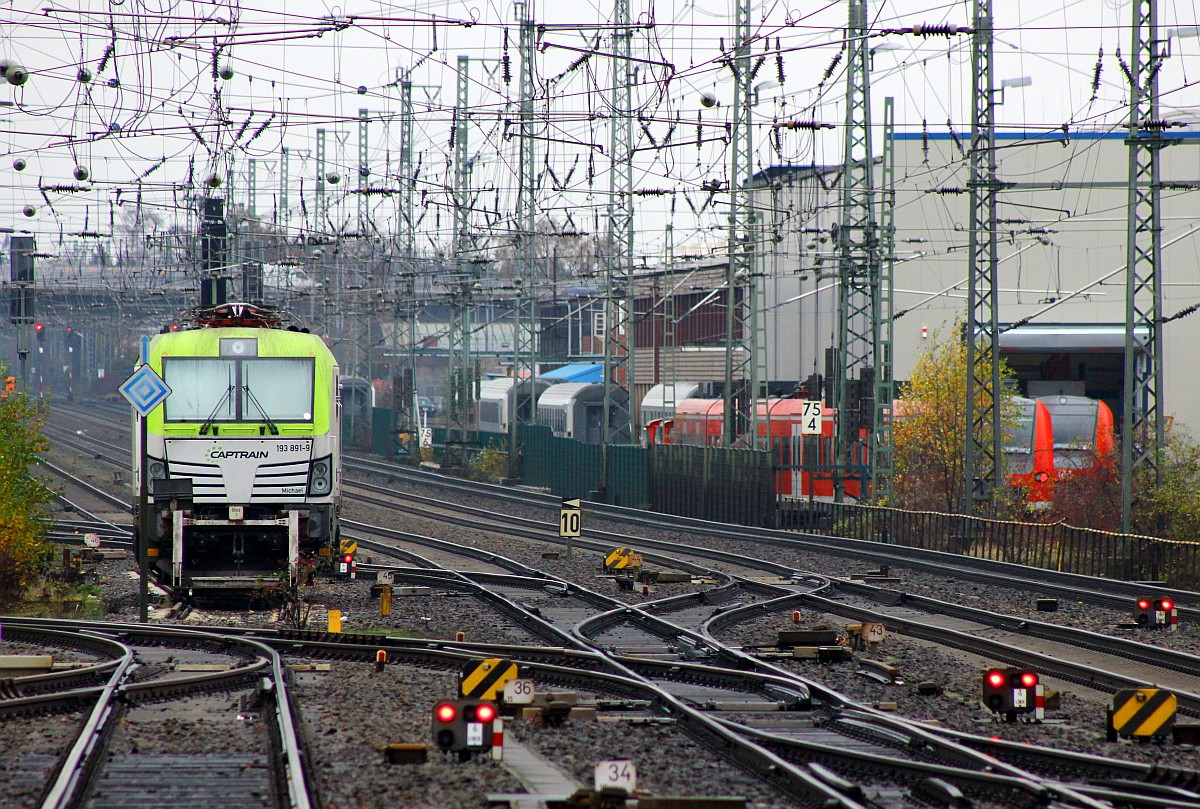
x=464 y=726
x=1013 y=691
x=346 y=564
x=1157 y=613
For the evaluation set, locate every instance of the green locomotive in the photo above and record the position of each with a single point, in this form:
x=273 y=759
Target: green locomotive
x=243 y=457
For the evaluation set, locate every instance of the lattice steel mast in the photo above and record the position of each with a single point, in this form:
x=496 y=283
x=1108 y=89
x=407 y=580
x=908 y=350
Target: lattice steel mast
x=745 y=352
x=1142 y=425
x=364 y=169
x=619 y=293
x=404 y=381
x=460 y=405
x=882 y=447
x=525 y=327
x=984 y=430
x=858 y=250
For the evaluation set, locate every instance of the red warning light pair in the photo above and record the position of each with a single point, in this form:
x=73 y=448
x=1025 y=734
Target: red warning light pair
x=1156 y=613
x=447 y=712
x=1025 y=679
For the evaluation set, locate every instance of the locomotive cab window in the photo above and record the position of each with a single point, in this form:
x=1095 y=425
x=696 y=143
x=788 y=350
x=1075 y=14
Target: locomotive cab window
x=251 y=390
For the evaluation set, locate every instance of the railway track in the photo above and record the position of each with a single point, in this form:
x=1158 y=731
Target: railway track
x=675 y=640
x=244 y=754
x=793 y=716
x=1051 y=648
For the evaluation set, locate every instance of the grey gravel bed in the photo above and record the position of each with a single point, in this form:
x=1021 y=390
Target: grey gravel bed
x=1078 y=725
x=586 y=567
x=1011 y=601
x=668 y=762
x=439 y=616
x=351 y=713
x=60 y=654
x=29 y=748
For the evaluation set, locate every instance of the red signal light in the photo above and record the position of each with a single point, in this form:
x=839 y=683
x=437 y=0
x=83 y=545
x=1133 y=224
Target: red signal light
x=485 y=713
x=69 y=329
x=174 y=327
x=1028 y=679
x=446 y=713
x=1143 y=603
x=348 y=558
x=1166 y=605
x=38 y=327
x=996 y=678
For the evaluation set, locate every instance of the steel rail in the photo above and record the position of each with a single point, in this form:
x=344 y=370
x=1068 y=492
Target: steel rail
x=1106 y=592
x=741 y=668
x=80 y=763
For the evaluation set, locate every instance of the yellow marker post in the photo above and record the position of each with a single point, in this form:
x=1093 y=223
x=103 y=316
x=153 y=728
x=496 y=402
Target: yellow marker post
x=1142 y=713
x=385 y=602
x=335 y=620
x=485 y=679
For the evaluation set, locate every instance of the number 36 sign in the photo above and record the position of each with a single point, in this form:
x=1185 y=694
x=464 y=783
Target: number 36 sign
x=620 y=773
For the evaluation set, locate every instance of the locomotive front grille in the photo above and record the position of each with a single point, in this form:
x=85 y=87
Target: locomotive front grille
x=271 y=483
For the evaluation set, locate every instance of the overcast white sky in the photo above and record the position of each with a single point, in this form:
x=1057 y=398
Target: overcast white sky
x=151 y=109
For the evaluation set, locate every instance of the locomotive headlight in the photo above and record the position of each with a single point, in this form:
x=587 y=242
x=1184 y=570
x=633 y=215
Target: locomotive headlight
x=158 y=470
x=320 y=480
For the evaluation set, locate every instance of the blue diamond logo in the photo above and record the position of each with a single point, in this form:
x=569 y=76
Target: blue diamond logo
x=145 y=390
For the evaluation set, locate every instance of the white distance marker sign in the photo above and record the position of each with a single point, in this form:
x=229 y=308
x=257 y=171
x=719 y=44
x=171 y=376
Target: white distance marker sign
x=619 y=773
x=518 y=692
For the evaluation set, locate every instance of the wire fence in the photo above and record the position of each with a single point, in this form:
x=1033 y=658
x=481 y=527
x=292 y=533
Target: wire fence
x=1053 y=546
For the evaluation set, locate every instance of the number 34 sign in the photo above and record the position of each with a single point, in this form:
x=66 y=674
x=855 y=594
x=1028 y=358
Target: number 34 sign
x=620 y=773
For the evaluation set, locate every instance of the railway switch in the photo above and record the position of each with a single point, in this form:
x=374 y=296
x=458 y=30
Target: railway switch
x=1157 y=613
x=464 y=726
x=1013 y=691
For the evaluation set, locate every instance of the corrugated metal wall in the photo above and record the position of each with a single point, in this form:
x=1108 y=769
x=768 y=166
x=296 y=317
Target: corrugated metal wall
x=627 y=474
x=383 y=440
x=712 y=483
x=568 y=468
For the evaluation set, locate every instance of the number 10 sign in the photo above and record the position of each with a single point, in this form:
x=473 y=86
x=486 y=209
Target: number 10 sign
x=569 y=518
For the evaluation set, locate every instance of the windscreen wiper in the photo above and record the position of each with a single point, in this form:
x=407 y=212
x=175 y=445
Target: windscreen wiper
x=262 y=411
x=208 y=422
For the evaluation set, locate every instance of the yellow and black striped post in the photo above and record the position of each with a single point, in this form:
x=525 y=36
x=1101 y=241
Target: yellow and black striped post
x=622 y=559
x=1142 y=713
x=485 y=679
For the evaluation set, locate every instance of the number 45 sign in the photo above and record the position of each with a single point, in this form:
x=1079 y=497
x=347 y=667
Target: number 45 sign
x=620 y=773
x=810 y=420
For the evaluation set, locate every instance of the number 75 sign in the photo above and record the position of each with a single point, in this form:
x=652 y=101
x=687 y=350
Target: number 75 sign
x=810 y=420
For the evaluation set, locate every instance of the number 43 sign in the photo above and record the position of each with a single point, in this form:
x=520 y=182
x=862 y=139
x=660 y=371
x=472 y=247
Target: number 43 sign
x=620 y=773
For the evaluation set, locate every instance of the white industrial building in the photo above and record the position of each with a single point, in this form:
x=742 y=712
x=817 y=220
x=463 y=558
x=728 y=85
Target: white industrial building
x=1062 y=256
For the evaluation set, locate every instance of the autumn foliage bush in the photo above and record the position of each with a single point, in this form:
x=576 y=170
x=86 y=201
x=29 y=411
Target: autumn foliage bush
x=23 y=498
x=930 y=430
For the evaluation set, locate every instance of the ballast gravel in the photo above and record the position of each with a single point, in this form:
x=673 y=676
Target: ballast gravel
x=350 y=713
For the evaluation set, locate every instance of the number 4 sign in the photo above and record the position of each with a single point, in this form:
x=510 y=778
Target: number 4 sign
x=810 y=420
x=620 y=773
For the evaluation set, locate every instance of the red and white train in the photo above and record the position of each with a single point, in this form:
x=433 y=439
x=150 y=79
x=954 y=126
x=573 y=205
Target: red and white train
x=1056 y=437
